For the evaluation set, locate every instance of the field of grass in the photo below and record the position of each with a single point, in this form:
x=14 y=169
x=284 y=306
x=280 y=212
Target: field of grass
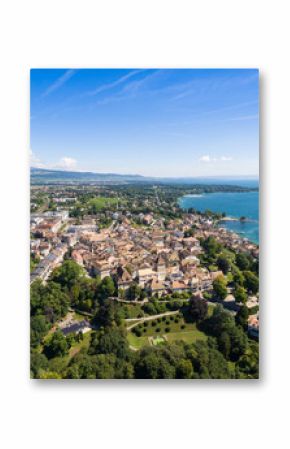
x=81 y=344
x=137 y=342
x=158 y=340
x=173 y=331
x=100 y=203
x=79 y=317
x=187 y=336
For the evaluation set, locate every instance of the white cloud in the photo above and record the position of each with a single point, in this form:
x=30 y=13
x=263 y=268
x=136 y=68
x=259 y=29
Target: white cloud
x=67 y=163
x=35 y=161
x=205 y=158
x=208 y=158
x=58 y=83
x=109 y=86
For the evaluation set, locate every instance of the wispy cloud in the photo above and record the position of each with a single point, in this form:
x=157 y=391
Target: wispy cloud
x=65 y=163
x=207 y=158
x=35 y=161
x=110 y=86
x=58 y=83
x=243 y=118
x=130 y=89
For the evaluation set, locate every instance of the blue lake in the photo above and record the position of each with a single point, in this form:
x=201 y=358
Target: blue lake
x=234 y=205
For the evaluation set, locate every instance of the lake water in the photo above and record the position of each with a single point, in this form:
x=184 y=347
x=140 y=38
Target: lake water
x=234 y=205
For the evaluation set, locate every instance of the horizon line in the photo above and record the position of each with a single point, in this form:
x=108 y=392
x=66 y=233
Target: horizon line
x=145 y=176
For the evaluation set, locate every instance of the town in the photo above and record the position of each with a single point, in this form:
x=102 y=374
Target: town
x=153 y=251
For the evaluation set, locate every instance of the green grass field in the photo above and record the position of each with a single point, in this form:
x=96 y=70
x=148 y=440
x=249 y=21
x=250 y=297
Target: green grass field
x=172 y=331
x=100 y=203
x=82 y=344
x=137 y=342
x=187 y=336
x=158 y=340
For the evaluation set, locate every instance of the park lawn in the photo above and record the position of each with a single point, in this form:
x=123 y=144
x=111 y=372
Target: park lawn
x=186 y=336
x=79 y=317
x=189 y=334
x=80 y=345
x=137 y=342
x=100 y=203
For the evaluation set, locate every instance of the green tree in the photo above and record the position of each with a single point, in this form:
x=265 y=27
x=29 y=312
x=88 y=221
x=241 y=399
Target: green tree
x=242 y=261
x=239 y=342
x=134 y=291
x=110 y=341
x=106 y=288
x=240 y=295
x=67 y=274
x=108 y=313
x=208 y=362
x=211 y=246
x=151 y=364
x=56 y=346
x=197 y=309
x=251 y=282
x=220 y=287
x=238 y=277
x=48 y=300
x=223 y=263
x=38 y=328
x=224 y=344
x=38 y=363
x=242 y=317
x=184 y=369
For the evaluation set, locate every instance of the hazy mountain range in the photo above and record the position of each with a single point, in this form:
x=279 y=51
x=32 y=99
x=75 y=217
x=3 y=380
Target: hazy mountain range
x=47 y=176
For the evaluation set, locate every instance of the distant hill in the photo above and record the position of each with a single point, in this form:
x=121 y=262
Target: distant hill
x=45 y=176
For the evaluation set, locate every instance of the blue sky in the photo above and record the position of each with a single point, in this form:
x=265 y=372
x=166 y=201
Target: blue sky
x=158 y=122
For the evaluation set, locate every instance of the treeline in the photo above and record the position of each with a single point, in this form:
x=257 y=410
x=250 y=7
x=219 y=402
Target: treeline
x=241 y=270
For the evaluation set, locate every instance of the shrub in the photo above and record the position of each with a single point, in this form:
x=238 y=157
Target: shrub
x=167 y=329
x=157 y=329
x=182 y=326
x=177 y=320
x=171 y=318
x=145 y=323
x=153 y=323
x=164 y=318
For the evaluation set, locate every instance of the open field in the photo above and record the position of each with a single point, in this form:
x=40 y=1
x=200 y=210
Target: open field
x=100 y=203
x=187 y=336
x=187 y=332
x=137 y=342
x=82 y=344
